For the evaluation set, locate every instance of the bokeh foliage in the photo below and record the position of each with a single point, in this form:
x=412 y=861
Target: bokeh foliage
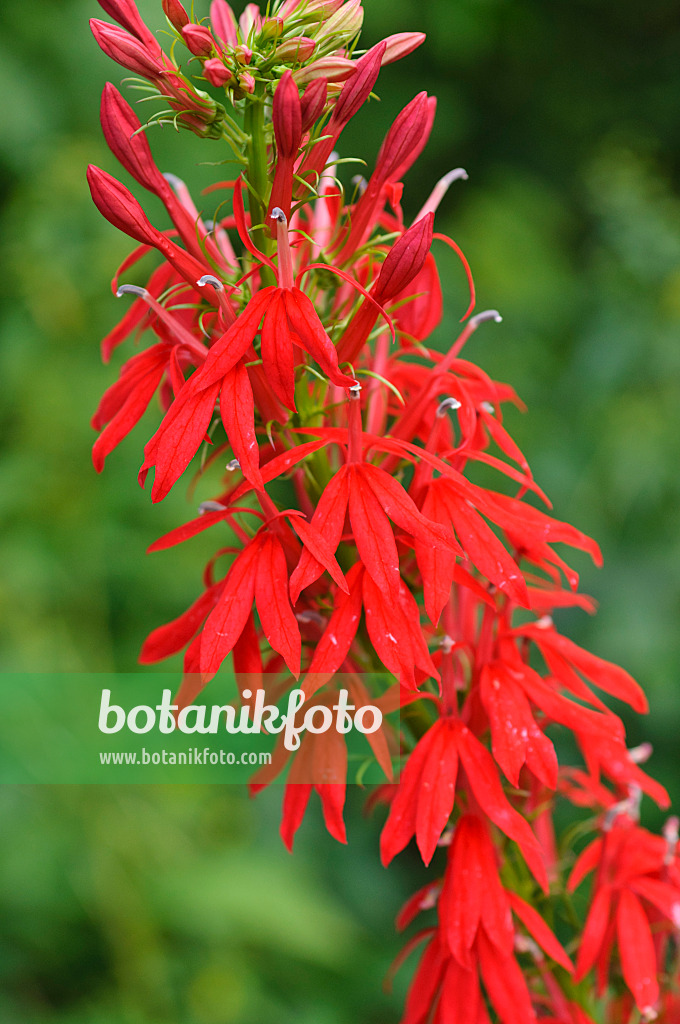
x=177 y=905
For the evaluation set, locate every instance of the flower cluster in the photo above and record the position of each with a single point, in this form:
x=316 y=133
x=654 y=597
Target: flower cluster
x=291 y=345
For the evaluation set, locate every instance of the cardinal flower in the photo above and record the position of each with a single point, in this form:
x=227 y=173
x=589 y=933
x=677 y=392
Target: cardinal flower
x=289 y=322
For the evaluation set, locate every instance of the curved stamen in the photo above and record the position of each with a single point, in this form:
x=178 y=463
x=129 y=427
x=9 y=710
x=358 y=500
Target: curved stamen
x=184 y=337
x=286 y=279
x=448 y=403
x=440 y=190
x=228 y=313
x=480 y=318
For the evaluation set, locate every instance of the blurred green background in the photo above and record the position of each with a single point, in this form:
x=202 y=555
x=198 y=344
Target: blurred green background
x=179 y=905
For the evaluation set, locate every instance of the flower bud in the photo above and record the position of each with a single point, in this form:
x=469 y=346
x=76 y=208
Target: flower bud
x=272 y=28
x=401 y=44
x=287 y=117
x=295 y=50
x=403 y=136
x=119 y=206
x=250 y=19
x=129 y=145
x=313 y=102
x=125 y=49
x=216 y=73
x=126 y=14
x=243 y=54
x=176 y=14
x=358 y=89
x=198 y=39
x=405 y=260
x=333 y=69
x=247 y=82
x=343 y=25
x=223 y=22
x=322 y=9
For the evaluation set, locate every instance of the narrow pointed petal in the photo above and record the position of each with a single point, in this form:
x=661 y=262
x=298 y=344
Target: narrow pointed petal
x=173 y=636
x=228 y=619
x=328 y=519
x=178 y=438
x=373 y=535
x=277 y=352
x=237 y=410
x=271 y=595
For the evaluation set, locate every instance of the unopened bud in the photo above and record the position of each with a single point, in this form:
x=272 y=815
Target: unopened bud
x=127 y=51
x=176 y=14
x=313 y=102
x=405 y=260
x=216 y=73
x=223 y=22
x=403 y=137
x=243 y=54
x=295 y=50
x=247 y=82
x=355 y=93
x=272 y=28
x=287 y=117
x=401 y=44
x=198 y=39
x=343 y=25
x=319 y=10
x=333 y=69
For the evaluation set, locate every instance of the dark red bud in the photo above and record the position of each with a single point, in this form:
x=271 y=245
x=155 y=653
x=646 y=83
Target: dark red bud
x=198 y=39
x=125 y=49
x=405 y=260
x=120 y=123
x=216 y=73
x=119 y=206
x=287 y=117
x=357 y=90
x=175 y=14
x=403 y=136
x=313 y=102
x=126 y=14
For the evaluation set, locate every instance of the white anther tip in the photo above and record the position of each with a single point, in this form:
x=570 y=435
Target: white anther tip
x=131 y=289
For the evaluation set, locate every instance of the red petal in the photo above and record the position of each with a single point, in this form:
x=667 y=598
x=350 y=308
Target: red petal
x=238 y=416
x=176 y=441
x=401 y=823
x=173 y=636
x=277 y=352
x=505 y=985
x=271 y=595
x=485 y=784
x=484 y=549
x=594 y=932
x=334 y=645
x=228 y=619
x=316 y=542
x=304 y=321
x=235 y=341
x=328 y=519
x=437 y=792
x=636 y=949
x=538 y=929
x=373 y=535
